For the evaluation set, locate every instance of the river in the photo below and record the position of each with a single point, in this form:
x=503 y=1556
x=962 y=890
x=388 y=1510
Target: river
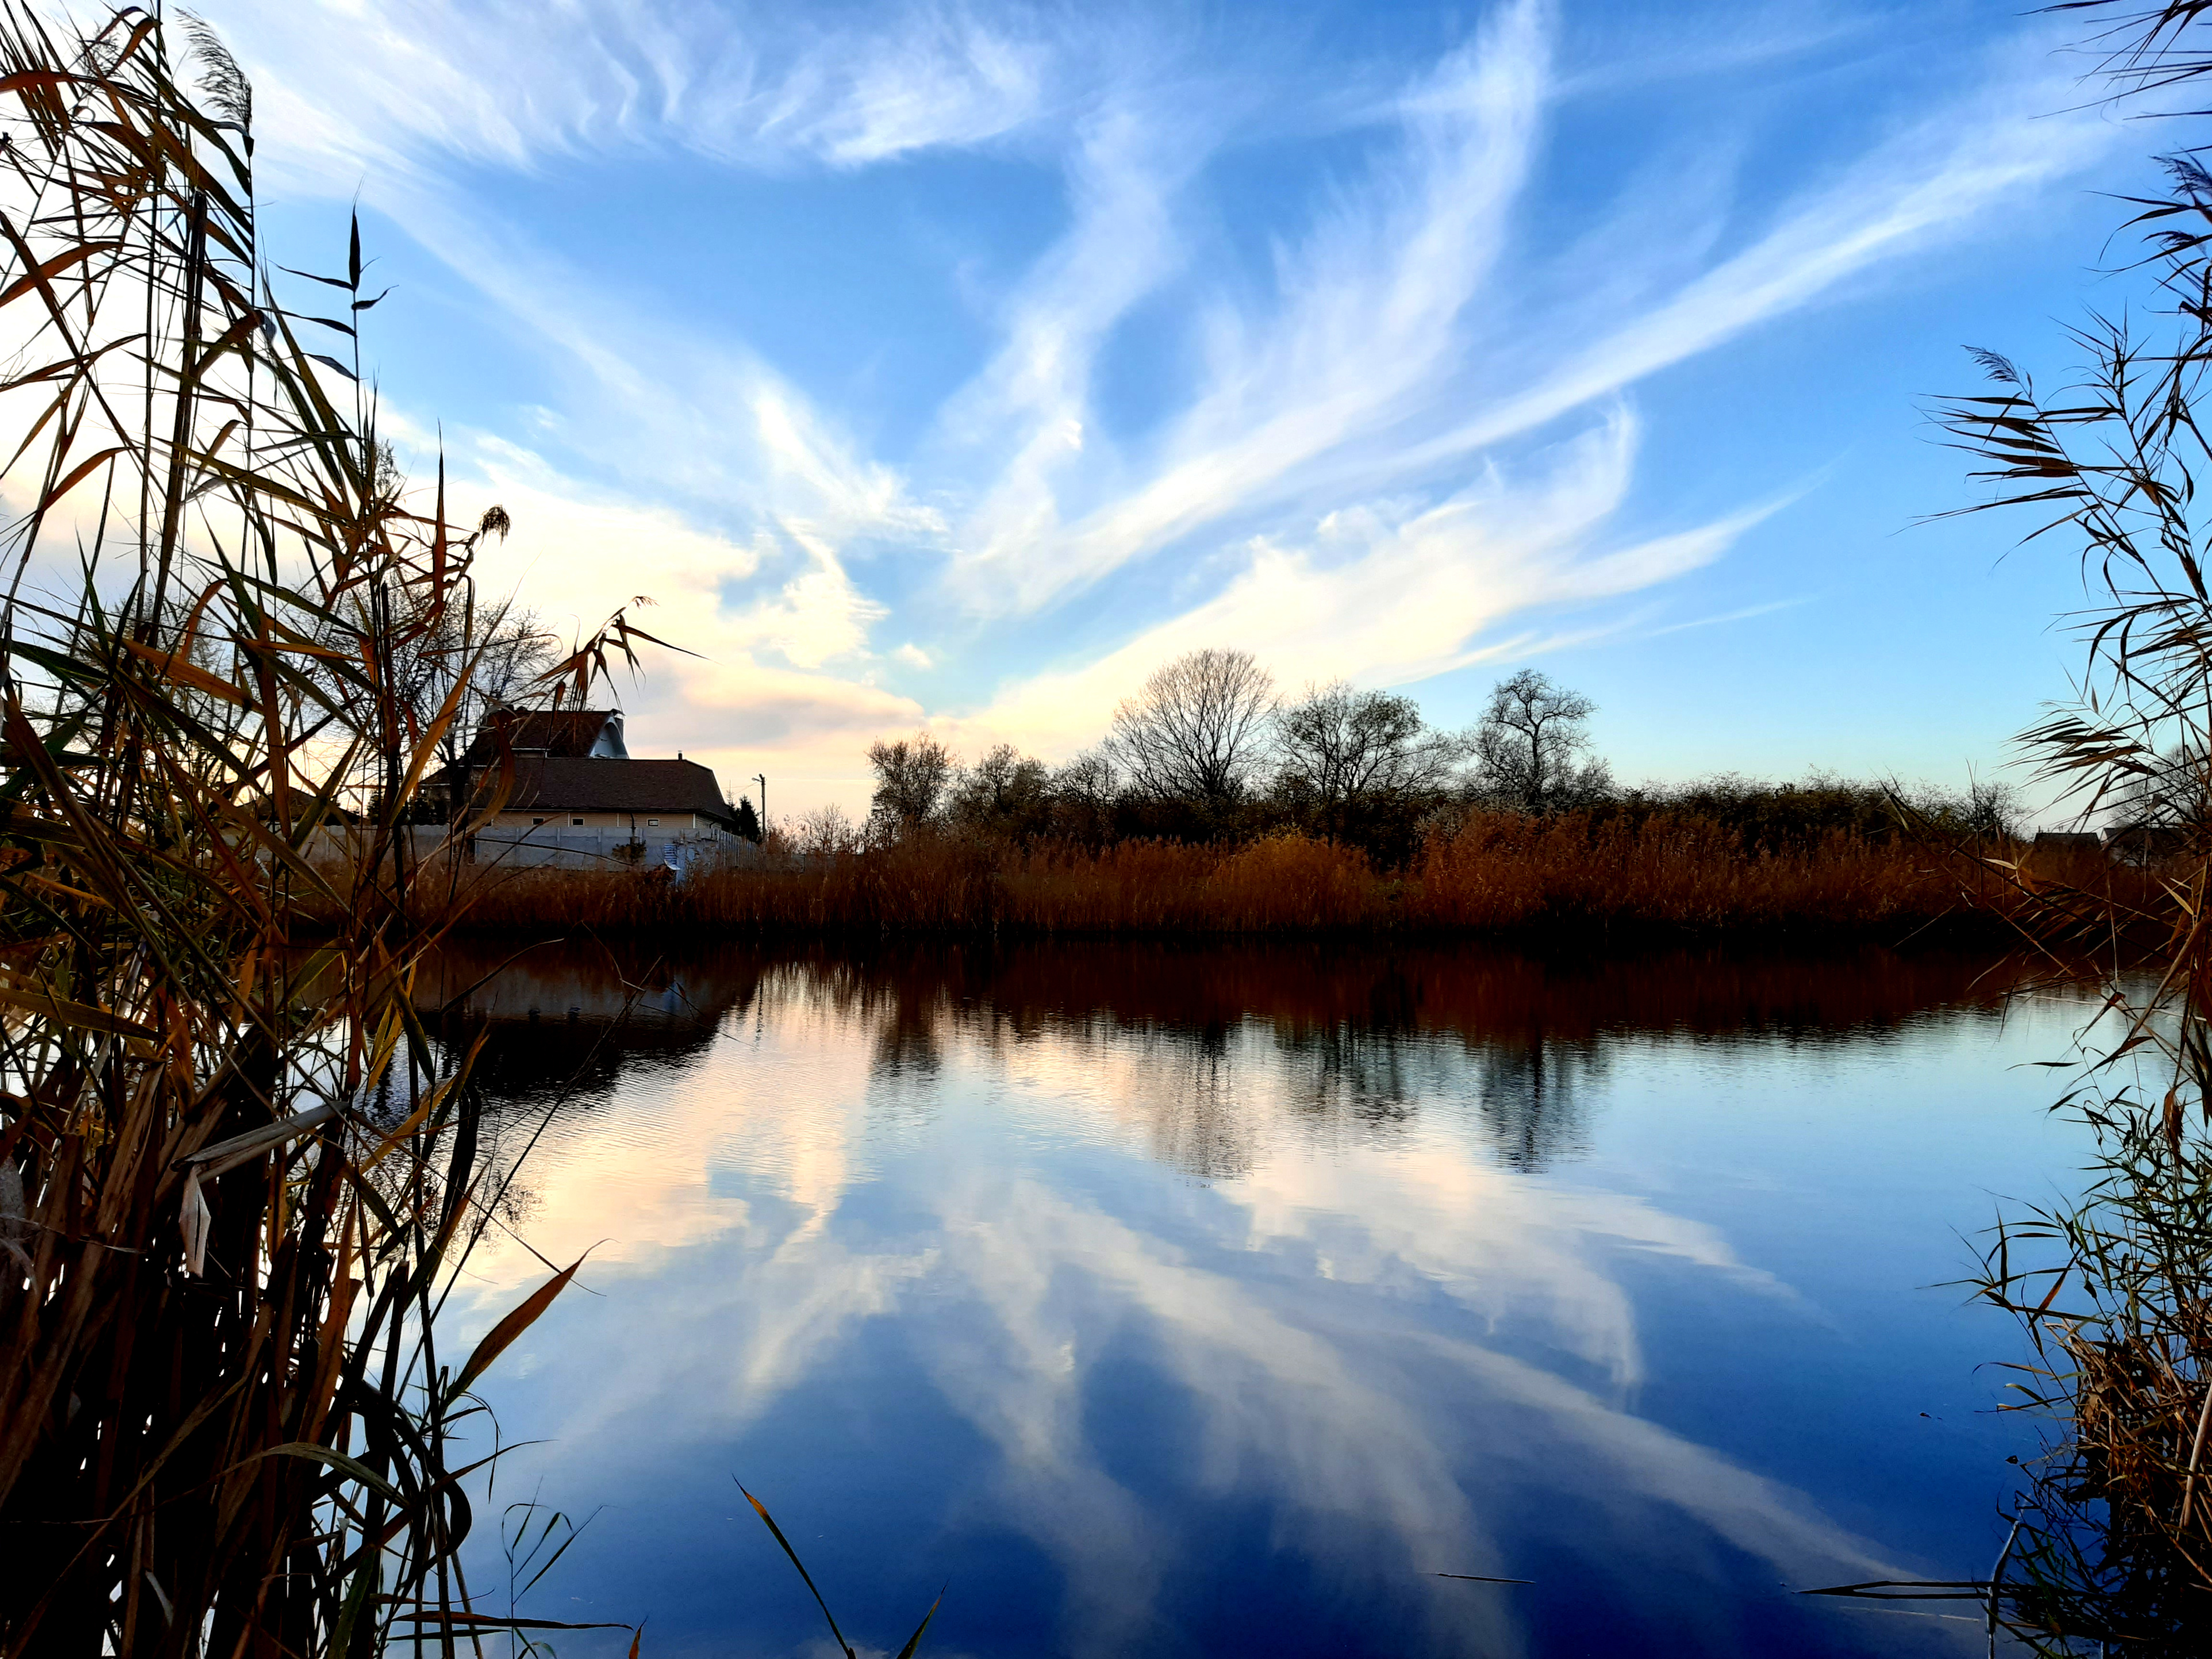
x=1213 y=1301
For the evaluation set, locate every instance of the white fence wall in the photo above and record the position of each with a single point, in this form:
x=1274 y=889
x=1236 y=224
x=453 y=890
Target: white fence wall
x=544 y=847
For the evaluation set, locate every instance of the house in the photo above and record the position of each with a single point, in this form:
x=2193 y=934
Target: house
x=568 y=769
x=2146 y=843
x=2069 y=841
x=648 y=799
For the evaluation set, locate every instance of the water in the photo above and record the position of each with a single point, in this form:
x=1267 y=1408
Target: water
x=1173 y=1302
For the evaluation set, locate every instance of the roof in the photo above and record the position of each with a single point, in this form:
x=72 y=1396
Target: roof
x=562 y=784
x=2170 y=837
x=567 y=732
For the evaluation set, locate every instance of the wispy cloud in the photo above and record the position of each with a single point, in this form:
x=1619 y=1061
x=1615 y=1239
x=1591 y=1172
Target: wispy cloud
x=757 y=680
x=1367 y=299
x=1355 y=380
x=1744 y=614
x=1930 y=182
x=1397 y=442
x=1387 y=592
x=1025 y=424
x=351 y=87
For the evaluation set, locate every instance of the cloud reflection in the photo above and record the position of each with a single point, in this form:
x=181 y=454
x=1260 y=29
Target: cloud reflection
x=1302 y=1261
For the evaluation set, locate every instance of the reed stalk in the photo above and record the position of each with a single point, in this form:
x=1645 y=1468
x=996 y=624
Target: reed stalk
x=237 y=1174
x=2111 y=1548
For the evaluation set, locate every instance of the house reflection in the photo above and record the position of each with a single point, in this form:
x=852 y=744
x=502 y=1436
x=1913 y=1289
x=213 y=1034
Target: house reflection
x=566 y=1021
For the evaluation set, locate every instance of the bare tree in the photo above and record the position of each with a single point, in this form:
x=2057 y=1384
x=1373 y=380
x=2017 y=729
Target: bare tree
x=1198 y=729
x=911 y=778
x=477 y=663
x=479 y=657
x=1006 y=794
x=1340 y=749
x=512 y=652
x=1084 y=795
x=826 y=831
x=1089 y=779
x=1530 y=746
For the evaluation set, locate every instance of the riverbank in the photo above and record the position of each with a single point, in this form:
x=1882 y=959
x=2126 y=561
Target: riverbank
x=1495 y=874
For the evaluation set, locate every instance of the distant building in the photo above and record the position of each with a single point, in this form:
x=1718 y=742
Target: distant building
x=566 y=770
x=2146 y=843
x=2069 y=841
x=299 y=805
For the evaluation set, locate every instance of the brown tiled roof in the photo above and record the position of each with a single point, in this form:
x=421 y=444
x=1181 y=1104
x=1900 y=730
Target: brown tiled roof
x=545 y=783
x=568 y=732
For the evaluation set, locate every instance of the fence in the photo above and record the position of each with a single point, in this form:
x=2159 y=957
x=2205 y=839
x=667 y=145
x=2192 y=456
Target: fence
x=544 y=847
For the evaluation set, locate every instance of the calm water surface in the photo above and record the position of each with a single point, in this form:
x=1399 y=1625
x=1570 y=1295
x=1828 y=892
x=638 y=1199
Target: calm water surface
x=1187 y=1302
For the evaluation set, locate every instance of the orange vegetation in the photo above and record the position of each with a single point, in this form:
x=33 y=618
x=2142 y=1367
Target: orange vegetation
x=1488 y=872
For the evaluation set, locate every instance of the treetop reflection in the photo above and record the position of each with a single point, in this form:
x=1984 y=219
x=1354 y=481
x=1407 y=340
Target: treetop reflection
x=1361 y=1038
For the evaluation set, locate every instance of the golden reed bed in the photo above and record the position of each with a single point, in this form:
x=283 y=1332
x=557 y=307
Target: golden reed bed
x=1490 y=873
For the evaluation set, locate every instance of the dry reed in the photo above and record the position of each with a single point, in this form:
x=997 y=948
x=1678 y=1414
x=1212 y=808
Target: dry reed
x=2110 y=1549
x=237 y=1173
x=1478 y=873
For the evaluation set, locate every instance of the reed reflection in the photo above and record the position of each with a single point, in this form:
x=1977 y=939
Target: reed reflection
x=1356 y=1040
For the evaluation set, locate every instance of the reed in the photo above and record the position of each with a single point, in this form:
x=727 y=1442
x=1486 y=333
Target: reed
x=1476 y=871
x=2111 y=1548
x=237 y=1173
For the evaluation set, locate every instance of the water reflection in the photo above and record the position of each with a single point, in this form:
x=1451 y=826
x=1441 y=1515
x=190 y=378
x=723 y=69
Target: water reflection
x=1176 y=1300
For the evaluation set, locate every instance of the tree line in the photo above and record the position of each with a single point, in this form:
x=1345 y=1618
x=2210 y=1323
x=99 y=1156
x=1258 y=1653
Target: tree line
x=1208 y=750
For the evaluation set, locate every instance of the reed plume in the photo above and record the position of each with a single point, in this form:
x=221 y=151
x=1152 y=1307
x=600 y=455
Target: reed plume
x=237 y=1173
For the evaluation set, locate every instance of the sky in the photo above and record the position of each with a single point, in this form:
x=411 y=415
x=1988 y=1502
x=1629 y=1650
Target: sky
x=955 y=366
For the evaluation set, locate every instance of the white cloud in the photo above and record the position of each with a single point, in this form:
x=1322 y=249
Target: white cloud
x=348 y=90
x=1367 y=304
x=1336 y=464
x=755 y=693
x=1354 y=380
x=937 y=78
x=1387 y=593
x=1024 y=421
x=1928 y=182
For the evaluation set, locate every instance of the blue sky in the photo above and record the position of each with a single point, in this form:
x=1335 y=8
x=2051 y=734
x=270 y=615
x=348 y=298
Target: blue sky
x=957 y=365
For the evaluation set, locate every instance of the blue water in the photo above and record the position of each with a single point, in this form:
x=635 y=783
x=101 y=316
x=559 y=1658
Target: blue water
x=1198 y=1303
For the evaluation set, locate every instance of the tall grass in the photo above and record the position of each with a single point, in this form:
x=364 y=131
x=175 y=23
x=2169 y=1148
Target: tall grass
x=2112 y=1545
x=237 y=1176
x=1473 y=872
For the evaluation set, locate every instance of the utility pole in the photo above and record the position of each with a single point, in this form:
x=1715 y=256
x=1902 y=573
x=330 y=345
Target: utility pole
x=761 y=778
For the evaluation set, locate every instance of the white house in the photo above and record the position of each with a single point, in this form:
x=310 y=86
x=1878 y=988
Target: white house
x=565 y=769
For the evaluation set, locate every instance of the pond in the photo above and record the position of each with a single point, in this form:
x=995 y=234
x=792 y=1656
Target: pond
x=1148 y=1300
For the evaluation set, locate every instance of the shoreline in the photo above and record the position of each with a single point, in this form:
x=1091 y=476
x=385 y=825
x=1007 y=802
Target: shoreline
x=1565 y=881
